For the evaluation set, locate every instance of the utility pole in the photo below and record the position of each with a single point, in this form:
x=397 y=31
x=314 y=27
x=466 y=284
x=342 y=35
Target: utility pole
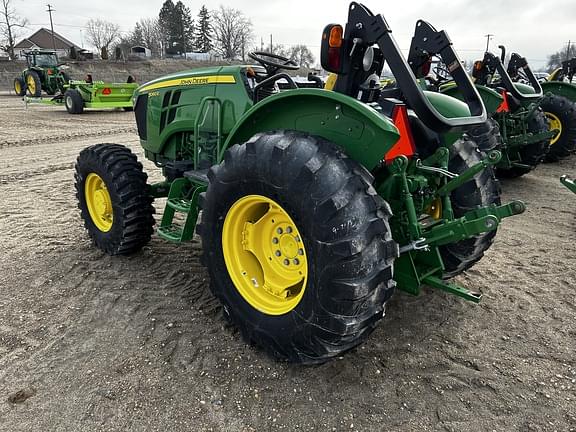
x=568 y=50
x=261 y=43
x=271 y=50
x=488 y=38
x=50 y=10
x=243 y=45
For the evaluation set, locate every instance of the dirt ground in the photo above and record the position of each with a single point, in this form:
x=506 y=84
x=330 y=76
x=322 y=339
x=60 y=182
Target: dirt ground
x=94 y=343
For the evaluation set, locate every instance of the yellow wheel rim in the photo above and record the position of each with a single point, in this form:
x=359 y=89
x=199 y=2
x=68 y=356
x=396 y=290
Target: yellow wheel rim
x=31 y=84
x=554 y=123
x=17 y=87
x=98 y=202
x=435 y=209
x=265 y=255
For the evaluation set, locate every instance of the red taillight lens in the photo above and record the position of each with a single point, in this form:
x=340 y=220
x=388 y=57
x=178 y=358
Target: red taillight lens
x=106 y=91
x=334 y=58
x=427 y=66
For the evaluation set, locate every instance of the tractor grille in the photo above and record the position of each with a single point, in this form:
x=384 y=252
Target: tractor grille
x=140 y=110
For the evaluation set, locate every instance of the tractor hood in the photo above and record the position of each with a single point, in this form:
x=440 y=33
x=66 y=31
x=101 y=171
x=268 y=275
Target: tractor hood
x=195 y=77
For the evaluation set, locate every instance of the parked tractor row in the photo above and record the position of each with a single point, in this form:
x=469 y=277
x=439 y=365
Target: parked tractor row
x=314 y=204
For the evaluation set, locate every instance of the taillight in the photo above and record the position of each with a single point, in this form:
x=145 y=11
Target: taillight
x=427 y=66
x=334 y=58
x=106 y=91
x=334 y=44
x=405 y=144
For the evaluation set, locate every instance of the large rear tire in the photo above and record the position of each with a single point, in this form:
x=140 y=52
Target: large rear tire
x=114 y=199
x=334 y=216
x=561 y=114
x=483 y=190
x=33 y=83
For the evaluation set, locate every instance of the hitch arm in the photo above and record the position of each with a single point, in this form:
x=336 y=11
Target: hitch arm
x=472 y=223
x=570 y=184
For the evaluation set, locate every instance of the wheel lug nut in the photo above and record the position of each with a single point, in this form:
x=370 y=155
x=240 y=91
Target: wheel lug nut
x=300 y=251
x=296 y=261
x=286 y=262
x=297 y=238
x=289 y=230
x=278 y=253
x=279 y=231
x=275 y=240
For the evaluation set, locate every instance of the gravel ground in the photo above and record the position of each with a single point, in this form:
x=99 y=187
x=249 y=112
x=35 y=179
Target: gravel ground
x=90 y=343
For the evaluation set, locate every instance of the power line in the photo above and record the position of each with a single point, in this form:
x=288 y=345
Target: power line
x=50 y=10
x=488 y=37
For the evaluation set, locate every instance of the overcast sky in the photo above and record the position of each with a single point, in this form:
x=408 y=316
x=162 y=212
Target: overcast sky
x=513 y=22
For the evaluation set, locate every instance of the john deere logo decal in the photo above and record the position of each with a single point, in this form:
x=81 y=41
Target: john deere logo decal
x=190 y=81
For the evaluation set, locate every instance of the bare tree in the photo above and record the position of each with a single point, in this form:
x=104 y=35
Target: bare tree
x=232 y=32
x=10 y=23
x=102 y=34
x=151 y=35
x=555 y=60
x=302 y=55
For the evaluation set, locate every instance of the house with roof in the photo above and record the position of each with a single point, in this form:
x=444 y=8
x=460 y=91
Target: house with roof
x=42 y=39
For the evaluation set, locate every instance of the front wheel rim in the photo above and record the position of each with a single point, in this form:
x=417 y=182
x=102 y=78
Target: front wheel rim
x=265 y=255
x=17 y=87
x=554 y=122
x=98 y=202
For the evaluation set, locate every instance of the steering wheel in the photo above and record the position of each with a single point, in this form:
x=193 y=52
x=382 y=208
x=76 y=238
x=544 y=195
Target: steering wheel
x=273 y=62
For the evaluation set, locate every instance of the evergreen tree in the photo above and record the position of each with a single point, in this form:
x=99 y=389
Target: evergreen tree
x=177 y=27
x=203 y=42
x=168 y=28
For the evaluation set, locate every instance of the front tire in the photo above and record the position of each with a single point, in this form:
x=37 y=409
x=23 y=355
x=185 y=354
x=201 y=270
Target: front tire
x=19 y=86
x=345 y=238
x=114 y=199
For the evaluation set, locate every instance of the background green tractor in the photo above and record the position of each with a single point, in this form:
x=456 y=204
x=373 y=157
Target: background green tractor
x=315 y=204
x=43 y=73
x=558 y=105
x=560 y=85
x=523 y=133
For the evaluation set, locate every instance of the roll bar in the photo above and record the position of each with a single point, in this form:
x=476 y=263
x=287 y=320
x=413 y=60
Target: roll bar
x=364 y=29
x=516 y=63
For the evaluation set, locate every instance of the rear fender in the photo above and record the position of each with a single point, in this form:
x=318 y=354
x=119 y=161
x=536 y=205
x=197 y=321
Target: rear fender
x=363 y=134
x=491 y=98
x=559 y=88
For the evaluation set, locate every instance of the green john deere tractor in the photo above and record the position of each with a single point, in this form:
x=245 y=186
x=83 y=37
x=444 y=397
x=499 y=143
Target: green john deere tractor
x=558 y=104
x=315 y=204
x=517 y=126
x=43 y=73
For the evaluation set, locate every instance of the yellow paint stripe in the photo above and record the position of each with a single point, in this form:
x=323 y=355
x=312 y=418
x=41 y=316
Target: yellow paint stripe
x=191 y=81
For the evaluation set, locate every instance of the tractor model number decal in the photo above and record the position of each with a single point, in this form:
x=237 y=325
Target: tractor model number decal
x=190 y=81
